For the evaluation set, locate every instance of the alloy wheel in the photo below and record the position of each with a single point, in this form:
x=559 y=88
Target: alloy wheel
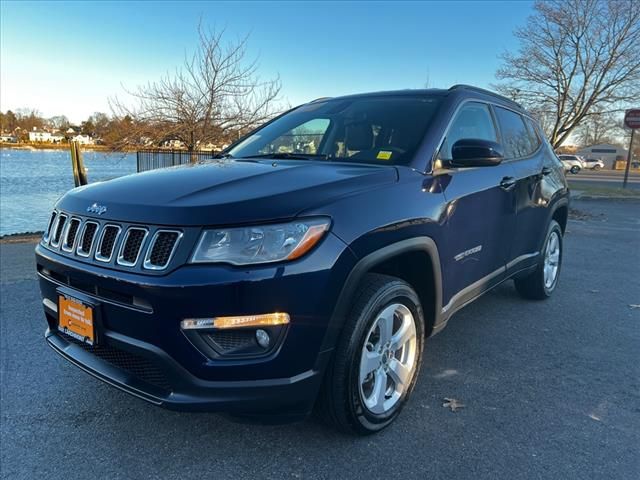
x=552 y=260
x=388 y=359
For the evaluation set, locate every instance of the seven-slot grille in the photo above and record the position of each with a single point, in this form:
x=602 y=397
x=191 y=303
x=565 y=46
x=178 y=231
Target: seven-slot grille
x=72 y=233
x=109 y=241
x=57 y=231
x=86 y=240
x=131 y=246
x=163 y=245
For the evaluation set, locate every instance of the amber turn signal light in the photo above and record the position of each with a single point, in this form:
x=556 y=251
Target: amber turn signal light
x=241 y=321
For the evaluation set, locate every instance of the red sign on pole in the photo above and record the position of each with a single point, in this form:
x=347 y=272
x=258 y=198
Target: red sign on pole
x=632 y=118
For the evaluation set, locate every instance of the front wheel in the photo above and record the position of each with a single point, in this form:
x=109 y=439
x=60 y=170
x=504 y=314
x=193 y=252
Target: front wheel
x=597 y=167
x=575 y=169
x=541 y=283
x=377 y=359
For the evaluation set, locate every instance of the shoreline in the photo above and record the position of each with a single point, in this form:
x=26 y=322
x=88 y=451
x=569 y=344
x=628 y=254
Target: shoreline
x=24 y=237
x=57 y=146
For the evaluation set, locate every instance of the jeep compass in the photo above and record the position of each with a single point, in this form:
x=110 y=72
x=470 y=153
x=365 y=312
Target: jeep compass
x=304 y=267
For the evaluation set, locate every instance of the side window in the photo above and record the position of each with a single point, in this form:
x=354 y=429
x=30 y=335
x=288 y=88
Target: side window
x=534 y=133
x=472 y=121
x=516 y=139
x=304 y=138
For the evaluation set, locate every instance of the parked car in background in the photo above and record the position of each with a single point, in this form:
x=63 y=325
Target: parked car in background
x=593 y=163
x=306 y=265
x=572 y=163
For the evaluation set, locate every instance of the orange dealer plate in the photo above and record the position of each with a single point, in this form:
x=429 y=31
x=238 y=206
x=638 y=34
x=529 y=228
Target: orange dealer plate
x=75 y=319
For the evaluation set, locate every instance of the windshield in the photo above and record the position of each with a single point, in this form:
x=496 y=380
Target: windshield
x=383 y=130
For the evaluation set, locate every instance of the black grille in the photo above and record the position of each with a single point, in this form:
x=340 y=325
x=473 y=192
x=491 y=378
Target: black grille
x=132 y=245
x=51 y=221
x=230 y=341
x=162 y=248
x=138 y=366
x=62 y=219
x=108 y=241
x=74 y=225
x=87 y=239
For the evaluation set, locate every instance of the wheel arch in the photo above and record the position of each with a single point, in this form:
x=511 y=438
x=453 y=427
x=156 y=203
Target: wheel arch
x=390 y=260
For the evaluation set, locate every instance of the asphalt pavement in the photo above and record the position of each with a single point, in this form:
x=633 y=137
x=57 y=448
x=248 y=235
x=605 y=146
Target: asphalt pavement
x=551 y=390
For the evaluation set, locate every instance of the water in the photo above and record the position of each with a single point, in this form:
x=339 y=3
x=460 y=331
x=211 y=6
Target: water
x=31 y=182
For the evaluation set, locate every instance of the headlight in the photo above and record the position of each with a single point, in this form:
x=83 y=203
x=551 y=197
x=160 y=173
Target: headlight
x=261 y=244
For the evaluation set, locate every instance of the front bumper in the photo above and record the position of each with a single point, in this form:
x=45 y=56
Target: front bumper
x=142 y=350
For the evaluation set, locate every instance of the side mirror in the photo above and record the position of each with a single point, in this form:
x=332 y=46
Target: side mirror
x=473 y=152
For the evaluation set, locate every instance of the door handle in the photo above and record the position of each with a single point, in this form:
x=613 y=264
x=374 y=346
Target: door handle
x=546 y=171
x=507 y=183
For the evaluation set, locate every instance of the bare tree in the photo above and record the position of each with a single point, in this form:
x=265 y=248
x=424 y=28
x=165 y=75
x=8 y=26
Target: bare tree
x=600 y=127
x=576 y=57
x=215 y=96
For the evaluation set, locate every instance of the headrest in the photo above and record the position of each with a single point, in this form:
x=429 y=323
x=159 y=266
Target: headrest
x=359 y=136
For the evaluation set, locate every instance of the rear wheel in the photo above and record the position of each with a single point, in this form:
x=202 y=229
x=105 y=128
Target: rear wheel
x=543 y=281
x=377 y=359
x=575 y=169
x=597 y=167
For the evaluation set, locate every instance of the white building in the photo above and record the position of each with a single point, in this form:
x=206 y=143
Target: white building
x=39 y=136
x=83 y=139
x=606 y=152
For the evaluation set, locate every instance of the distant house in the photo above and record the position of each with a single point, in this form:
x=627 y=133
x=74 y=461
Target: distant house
x=57 y=137
x=606 y=152
x=8 y=138
x=83 y=139
x=39 y=136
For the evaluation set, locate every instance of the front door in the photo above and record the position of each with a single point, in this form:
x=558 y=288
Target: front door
x=480 y=213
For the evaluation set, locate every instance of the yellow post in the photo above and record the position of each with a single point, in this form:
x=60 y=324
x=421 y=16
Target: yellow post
x=77 y=165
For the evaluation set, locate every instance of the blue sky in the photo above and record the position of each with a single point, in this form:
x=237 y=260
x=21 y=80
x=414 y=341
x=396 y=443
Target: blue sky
x=70 y=57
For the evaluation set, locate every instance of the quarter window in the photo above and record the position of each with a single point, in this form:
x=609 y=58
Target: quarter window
x=516 y=139
x=472 y=121
x=534 y=133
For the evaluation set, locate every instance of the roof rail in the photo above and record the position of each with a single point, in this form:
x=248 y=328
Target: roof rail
x=486 y=92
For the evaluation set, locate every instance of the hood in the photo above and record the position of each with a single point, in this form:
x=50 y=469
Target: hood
x=224 y=192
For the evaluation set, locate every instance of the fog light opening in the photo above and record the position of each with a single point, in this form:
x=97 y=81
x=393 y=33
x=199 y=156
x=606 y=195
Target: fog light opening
x=263 y=338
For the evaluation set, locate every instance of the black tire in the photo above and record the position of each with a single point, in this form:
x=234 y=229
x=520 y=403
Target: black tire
x=575 y=169
x=597 y=167
x=340 y=400
x=533 y=286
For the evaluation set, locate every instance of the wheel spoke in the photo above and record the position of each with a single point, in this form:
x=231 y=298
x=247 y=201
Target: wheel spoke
x=368 y=363
x=379 y=391
x=405 y=333
x=385 y=323
x=400 y=374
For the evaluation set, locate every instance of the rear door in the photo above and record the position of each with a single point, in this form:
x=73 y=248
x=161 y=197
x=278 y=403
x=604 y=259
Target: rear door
x=523 y=150
x=480 y=212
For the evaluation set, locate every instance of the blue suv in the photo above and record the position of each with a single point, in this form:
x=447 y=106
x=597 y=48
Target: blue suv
x=305 y=266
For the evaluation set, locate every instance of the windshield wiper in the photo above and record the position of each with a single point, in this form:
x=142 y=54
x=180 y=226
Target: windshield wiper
x=222 y=155
x=291 y=156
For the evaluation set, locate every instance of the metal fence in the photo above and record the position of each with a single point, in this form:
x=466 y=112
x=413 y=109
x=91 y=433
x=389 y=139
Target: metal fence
x=160 y=158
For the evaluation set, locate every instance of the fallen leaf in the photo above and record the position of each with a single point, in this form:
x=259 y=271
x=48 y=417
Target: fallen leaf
x=452 y=404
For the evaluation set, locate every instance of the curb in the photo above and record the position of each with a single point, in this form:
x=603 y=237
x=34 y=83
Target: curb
x=605 y=198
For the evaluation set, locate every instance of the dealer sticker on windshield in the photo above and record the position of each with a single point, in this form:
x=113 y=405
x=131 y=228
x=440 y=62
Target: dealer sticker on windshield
x=384 y=155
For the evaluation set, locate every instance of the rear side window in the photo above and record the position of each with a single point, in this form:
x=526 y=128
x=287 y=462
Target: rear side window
x=516 y=139
x=534 y=133
x=472 y=121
